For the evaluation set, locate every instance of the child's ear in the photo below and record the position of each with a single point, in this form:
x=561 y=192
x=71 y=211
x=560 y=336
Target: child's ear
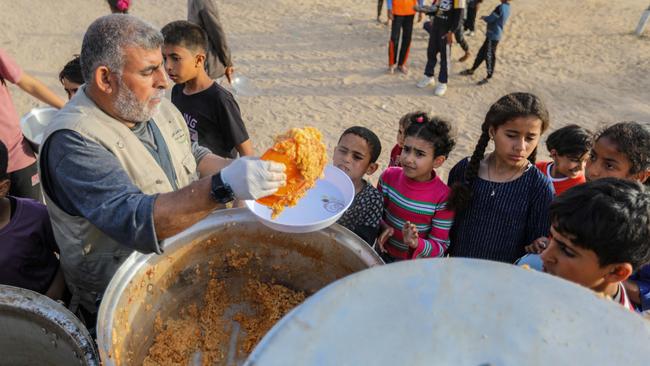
x=438 y=161
x=372 y=167
x=553 y=154
x=4 y=187
x=643 y=176
x=199 y=59
x=619 y=272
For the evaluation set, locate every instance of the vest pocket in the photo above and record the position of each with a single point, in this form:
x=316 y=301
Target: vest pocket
x=189 y=164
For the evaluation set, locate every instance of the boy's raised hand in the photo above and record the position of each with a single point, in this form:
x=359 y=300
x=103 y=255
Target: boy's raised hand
x=410 y=235
x=537 y=246
x=385 y=234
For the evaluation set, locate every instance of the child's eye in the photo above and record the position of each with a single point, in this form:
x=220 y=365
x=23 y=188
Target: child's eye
x=406 y=149
x=357 y=157
x=566 y=251
x=530 y=139
x=420 y=153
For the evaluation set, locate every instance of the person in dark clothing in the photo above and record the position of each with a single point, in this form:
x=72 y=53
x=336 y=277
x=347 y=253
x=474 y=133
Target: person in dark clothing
x=210 y=111
x=460 y=39
x=470 y=19
x=218 y=60
x=380 y=5
x=501 y=200
x=446 y=20
x=495 y=23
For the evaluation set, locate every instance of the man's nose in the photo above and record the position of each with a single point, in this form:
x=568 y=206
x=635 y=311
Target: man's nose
x=160 y=80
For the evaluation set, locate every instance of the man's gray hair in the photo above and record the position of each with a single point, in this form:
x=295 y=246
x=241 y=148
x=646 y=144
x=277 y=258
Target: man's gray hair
x=106 y=38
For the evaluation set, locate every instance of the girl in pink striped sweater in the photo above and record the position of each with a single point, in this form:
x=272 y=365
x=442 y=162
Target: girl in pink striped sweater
x=416 y=220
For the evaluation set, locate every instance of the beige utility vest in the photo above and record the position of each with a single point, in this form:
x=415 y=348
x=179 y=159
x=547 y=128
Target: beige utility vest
x=89 y=257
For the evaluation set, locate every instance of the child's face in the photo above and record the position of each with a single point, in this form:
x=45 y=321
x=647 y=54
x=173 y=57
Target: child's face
x=516 y=139
x=70 y=87
x=418 y=159
x=564 y=259
x=569 y=166
x=606 y=161
x=180 y=63
x=400 y=136
x=352 y=155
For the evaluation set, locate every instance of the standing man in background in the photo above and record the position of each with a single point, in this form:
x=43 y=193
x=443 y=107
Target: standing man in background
x=204 y=13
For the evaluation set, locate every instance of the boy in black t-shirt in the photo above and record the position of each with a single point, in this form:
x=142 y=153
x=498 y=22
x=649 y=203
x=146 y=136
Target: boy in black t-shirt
x=210 y=111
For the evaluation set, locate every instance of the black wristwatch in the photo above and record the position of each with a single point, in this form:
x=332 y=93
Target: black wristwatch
x=221 y=192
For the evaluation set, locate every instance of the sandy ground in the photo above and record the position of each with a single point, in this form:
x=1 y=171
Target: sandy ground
x=323 y=63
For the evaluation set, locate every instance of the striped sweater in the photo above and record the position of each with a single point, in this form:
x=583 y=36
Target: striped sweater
x=422 y=203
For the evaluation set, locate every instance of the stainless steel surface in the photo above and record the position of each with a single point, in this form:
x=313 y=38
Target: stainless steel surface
x=147 y=284
x=34 y=122
x=455 y=312
x=36 y=330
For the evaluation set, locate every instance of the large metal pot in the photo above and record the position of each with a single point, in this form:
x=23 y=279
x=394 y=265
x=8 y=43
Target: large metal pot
x=149 y=284
x=37 y=330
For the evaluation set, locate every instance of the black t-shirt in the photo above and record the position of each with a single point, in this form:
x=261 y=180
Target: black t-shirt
x=213 y=118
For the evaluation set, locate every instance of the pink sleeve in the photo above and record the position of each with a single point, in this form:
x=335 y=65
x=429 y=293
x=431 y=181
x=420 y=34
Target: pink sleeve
x=9 y=70
x=437 y=242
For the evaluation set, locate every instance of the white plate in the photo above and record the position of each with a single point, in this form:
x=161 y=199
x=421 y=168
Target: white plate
x=318 y=209
x=33 y=123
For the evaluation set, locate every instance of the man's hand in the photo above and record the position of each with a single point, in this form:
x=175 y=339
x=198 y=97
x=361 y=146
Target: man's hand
x=387 y=233
x=253 y=178
x=410 y=235
x=537 y=246
x=450 y=38
x=229 y=71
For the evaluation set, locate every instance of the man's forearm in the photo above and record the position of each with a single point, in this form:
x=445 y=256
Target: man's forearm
x=176 y=211
x=211 y=164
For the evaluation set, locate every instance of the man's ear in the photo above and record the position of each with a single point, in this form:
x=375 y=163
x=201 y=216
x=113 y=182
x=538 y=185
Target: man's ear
x=372 y=167
x=438 y=161
x=103 y=80
x=618 y=272
x=4 y=187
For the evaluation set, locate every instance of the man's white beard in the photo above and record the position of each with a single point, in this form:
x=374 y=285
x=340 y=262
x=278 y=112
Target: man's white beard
x=130 y=109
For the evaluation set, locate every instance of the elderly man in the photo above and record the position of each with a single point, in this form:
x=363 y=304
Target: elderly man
x=119 y=171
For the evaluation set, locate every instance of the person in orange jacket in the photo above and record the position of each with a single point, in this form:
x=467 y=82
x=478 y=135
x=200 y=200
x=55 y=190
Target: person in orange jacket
x=401 y=13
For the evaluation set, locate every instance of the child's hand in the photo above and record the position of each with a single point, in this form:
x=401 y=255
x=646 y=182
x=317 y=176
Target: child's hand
x=450 y=38
x=419 y=17
x=537 y=246
x=410 y=235
x=228 y=73
x=387 y=233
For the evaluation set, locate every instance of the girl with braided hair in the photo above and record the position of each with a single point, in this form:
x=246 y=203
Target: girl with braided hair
x=416 y=220
x=501 y=200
